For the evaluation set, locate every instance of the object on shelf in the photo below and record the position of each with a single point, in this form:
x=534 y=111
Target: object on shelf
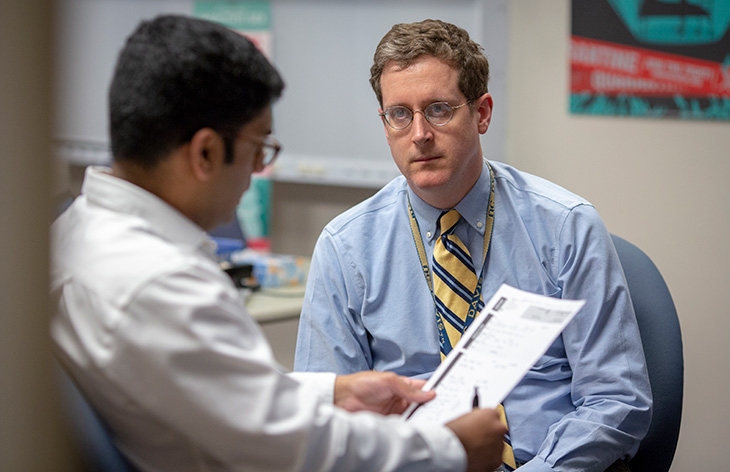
x=272 y=270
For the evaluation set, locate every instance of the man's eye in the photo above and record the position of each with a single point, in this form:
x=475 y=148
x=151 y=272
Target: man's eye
x=399 y=113
x=438 y=109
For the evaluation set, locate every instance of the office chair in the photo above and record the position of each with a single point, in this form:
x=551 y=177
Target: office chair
x=662 y=340
x=92 y=437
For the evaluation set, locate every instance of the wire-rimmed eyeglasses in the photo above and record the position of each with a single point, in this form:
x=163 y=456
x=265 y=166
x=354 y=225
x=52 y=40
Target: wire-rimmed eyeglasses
x=437 y=113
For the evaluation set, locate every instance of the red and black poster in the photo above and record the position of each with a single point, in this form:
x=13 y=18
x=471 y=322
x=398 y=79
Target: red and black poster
x=651 y=58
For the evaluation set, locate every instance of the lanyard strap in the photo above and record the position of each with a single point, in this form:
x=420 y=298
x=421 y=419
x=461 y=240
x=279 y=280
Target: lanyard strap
x=416 y=232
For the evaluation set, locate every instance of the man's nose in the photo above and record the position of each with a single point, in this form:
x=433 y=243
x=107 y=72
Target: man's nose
x=422 y=131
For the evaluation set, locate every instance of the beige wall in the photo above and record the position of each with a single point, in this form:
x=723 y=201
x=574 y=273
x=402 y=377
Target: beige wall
x=662 y=184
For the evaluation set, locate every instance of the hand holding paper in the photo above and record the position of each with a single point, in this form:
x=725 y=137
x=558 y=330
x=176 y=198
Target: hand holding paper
x=504 y=341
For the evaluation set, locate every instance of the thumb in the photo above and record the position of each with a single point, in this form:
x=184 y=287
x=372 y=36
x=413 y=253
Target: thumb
x=412 y=390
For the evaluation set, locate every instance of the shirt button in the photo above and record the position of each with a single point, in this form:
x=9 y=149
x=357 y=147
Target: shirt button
x=479 y=224
x=428 y=234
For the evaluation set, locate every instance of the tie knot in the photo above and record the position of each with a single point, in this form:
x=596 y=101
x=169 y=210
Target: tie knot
x=448 y=220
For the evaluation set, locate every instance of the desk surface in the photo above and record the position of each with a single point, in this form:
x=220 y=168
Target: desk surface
x=269 y=305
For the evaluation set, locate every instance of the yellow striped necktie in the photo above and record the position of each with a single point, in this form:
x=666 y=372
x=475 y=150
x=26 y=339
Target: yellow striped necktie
x=454 y=283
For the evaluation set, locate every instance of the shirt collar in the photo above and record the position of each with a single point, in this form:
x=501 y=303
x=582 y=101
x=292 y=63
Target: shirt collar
x=472 y=208
x=103 y=189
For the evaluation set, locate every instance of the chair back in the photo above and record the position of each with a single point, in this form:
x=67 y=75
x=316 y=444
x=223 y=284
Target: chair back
x=91 y=435
x=662 y=340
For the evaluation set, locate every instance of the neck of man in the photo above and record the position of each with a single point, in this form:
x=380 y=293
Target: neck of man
x=166 y=181
x=446 y=196
x=151 y=179
x=440 y=199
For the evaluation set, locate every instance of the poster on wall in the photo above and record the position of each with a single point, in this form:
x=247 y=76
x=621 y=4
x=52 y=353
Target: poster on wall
x=651 y=58
x=250 y=18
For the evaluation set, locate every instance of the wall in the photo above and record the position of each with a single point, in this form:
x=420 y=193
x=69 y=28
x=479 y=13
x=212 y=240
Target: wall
x=661 y=184
x=321 y=75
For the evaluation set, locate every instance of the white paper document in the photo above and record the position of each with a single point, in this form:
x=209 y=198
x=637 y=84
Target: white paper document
x=503 y=342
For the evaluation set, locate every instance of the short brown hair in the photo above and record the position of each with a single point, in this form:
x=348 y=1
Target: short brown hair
x=405 y=42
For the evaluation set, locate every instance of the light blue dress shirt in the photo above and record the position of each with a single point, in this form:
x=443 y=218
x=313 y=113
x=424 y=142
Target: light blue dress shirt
x=585 y=403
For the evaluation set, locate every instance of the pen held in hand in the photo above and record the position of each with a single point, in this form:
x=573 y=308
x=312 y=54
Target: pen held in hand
x=475 y=399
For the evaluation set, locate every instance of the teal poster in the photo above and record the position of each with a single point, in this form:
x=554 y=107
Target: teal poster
x=651 y=58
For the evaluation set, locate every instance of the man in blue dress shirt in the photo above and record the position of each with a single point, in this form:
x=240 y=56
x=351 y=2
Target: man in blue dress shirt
x=586 y=404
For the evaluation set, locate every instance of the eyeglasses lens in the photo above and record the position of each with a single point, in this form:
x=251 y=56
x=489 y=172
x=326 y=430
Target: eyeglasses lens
x=439 y=113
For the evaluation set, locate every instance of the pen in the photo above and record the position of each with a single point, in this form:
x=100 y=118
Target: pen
x=475 y=400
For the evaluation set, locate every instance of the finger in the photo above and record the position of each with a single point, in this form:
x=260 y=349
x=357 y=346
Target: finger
x=410 y=389
x=417 y=383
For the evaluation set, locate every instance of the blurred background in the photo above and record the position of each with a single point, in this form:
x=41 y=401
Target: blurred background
x=660 y=183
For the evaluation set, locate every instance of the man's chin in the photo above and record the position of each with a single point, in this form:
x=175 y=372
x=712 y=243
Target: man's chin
x=429 y=180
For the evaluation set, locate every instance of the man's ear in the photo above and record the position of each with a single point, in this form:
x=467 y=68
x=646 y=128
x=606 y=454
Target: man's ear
x=205 y=153
x=484 y=107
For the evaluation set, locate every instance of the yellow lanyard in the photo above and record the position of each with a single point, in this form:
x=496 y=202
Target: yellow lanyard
x=424 y=258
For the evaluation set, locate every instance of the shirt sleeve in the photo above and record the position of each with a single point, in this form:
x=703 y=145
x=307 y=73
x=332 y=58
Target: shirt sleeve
x=610 y=387
x=193 y=359
x=330 y=315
